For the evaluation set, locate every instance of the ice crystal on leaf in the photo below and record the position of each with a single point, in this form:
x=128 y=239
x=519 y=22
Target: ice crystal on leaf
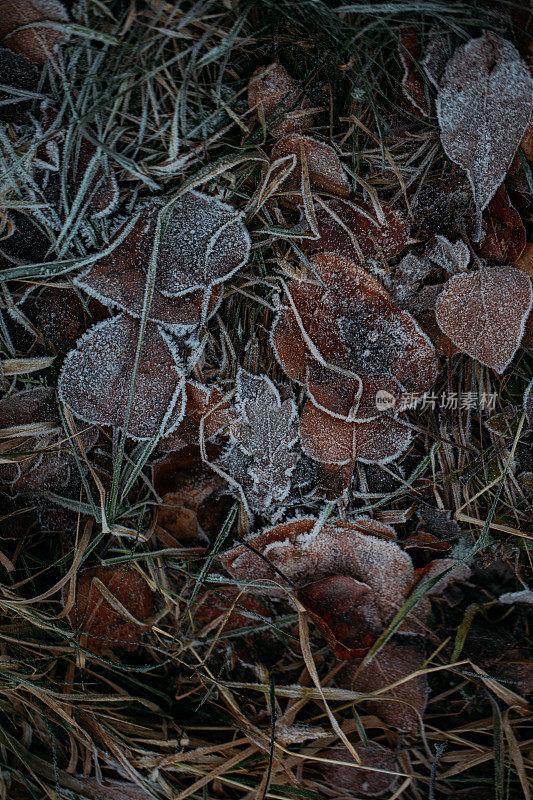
x=528 y=402
x=484 y=313
x=484 y=106
x=318 y=159
x=96 y=378
x=23 y=27
x=261 y=455
x=356 y=231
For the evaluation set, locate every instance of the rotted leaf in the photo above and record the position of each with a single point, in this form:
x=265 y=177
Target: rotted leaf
x=504 y=234
x=413 y=85
x=119 y=280
x=484 y=313
x=261 y=456
x=25 y=28
x=402 y=706
x=318 y=159
x=356 y=549
x=483 y=107
x=357 y=232
x=354 y=778
x=346 y=613
x=109 y=625
x=272 y=92
x=96 y=378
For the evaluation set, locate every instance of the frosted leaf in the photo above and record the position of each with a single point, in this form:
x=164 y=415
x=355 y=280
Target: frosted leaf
x=29 y=407
x=38 y=41
x=351 y=326
x=331 y=440
x=96 y=378
x=272 y=90
x=105 y=625
x=108 y=790
x=400 y=657
x=437 y=52
x=528 y=402
x=336 y=550
x=203 y=402
x=523 y=596
x=261 y=457
x=298 y=733
x=483 y=107
x=323 y=164
x=445 y=207
x=504 y=236
x=346 y=613
x=353 y=777
x=413 y=85
x=461 y=573
x=204 y=242
x=484 y=313
x=119 y=280
x=356 y=232
x=453 y=258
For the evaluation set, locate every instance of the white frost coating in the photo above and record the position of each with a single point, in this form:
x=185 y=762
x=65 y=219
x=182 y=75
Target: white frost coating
x=204 y=242
x=483 y=107
x=528 y=402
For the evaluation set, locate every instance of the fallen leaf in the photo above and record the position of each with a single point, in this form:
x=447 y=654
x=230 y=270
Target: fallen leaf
x=323 y=165
x=353 y=777
x=24 y=28
x=272 y=92
x=504 y=234
x=484 y=313
x=437 y=52
x=528 y=402
x=232 y=607
x=484 y=107
x=445 y=207
x=356 y=549
x=355 y=231
x=18 y=73
x=400 y=707
x=413 y=85
x=204 y=403
x=261 y=456
x=104 y=624
x=96 y=378
x=346 y=613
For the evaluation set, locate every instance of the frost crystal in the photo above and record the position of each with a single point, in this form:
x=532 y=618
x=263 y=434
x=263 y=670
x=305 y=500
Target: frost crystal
x=261 y=456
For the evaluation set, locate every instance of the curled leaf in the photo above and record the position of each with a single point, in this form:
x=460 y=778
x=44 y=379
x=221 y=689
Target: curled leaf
x=104 y=623
x=484 y=313
x=96 y=378
x=317 y=159
x=25 y=27
x=484 y=107
x=355 y=549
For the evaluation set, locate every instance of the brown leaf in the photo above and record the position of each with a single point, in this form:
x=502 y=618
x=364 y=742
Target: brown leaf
x=38 y=41
x=202 y=403
x=272 y=90
x=505 y=235
x=96 y=378
x=356 y=232
x=401 y=706
x=354 y=549
x=346 y=613
x=354 y=778
x=245 y=610
x=413 y=85
x=484 y=313
x=323 y=165
x=105 y=625
x=484 y=106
